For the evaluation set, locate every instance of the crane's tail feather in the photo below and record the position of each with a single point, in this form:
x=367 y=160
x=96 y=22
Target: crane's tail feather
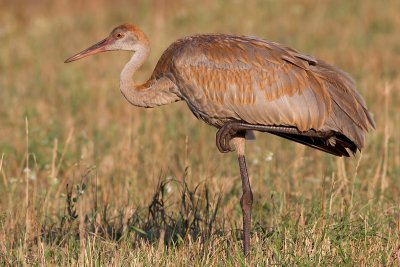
x=337 y=144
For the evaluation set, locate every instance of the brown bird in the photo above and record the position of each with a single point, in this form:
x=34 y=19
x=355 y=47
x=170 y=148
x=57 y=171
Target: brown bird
x=241 y=84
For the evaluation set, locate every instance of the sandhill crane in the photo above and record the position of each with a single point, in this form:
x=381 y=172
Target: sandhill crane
x=242 y=84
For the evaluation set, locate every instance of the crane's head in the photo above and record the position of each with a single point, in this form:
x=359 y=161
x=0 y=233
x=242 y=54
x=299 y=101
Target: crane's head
x=124 y=37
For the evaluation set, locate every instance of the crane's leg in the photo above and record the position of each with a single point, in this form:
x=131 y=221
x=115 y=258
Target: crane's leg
x=229 y=129
x=238 y=143
x=246 y=203
x=231 y=136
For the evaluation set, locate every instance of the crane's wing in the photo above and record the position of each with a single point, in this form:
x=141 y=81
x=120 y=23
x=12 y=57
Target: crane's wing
x=266 y=83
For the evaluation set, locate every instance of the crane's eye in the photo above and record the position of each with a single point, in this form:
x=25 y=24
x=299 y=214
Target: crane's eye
x=119 y=35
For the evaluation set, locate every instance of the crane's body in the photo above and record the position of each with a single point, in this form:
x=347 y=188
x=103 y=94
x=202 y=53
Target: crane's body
x=226 y=78
x=240 y=84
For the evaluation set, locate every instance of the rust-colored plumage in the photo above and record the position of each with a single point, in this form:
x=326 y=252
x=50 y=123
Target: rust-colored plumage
x=242 y=84
x=224 y=78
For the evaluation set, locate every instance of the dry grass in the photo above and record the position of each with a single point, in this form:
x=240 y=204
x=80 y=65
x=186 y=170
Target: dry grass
x=86 y=179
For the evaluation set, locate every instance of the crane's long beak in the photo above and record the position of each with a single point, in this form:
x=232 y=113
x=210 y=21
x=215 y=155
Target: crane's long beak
x=94 y=49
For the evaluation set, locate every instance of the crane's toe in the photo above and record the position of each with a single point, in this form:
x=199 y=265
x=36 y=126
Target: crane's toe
x=222 y=141
x=223 y=138
x=225 y=135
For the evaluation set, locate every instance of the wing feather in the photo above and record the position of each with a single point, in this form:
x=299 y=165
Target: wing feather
x=225 y=77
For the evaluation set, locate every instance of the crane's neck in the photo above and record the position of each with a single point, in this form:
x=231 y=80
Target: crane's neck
x=150 y=94
x=139 y=57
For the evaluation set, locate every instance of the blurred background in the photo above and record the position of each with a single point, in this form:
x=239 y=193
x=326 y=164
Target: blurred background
x=75 y=157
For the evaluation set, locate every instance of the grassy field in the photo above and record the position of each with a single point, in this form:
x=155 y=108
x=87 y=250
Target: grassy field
x=87 y=179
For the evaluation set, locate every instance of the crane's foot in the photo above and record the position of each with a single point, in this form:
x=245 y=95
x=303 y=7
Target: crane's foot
x=226 y=133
